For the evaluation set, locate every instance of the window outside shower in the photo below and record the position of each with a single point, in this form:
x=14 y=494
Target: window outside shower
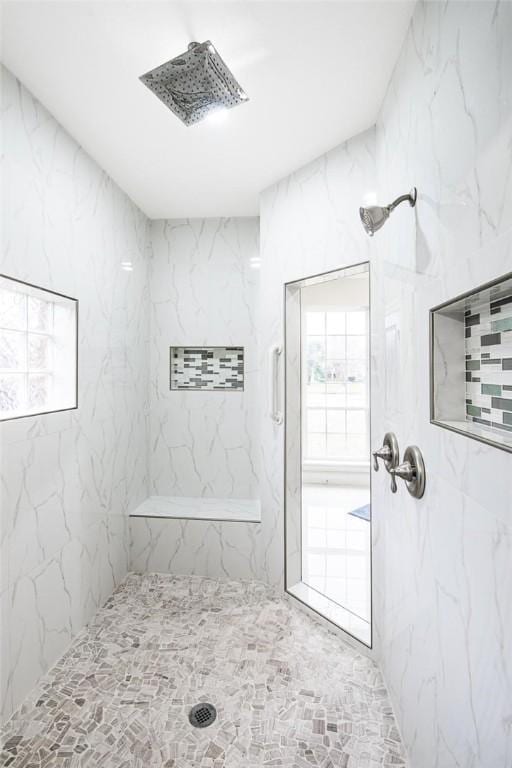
x=336 y=386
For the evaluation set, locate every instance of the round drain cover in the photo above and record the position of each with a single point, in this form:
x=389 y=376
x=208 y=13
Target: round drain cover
x=202 y=715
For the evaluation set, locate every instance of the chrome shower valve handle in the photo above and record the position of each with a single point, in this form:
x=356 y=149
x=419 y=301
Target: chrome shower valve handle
x=389 y=453
x=383 y=453
x=412 y=471
x=406 y=471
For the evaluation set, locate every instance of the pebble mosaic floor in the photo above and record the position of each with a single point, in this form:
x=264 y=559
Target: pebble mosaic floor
x=289 y=693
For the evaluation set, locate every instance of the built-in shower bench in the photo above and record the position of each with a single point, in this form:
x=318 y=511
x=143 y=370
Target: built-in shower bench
x=198 y=508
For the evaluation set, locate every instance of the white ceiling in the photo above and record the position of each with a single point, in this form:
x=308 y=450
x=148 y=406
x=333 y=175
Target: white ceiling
x=316 y=73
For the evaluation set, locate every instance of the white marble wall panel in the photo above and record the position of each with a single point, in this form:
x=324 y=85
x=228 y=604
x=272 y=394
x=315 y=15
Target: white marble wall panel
x=204 y=291
x=442 y=576
x=69 y=479
x=198 y=547
x=442 y=565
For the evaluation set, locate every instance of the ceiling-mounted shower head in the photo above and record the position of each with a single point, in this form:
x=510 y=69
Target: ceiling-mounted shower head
x=195 y=84
x=375 y=217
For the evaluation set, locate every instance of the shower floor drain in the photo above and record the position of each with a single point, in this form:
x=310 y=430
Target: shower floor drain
x=202 y=715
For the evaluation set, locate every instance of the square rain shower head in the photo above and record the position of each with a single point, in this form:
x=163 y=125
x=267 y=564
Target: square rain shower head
x=195 y=84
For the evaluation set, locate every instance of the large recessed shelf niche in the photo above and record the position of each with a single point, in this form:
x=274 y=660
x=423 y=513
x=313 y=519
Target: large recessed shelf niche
x=471 y=364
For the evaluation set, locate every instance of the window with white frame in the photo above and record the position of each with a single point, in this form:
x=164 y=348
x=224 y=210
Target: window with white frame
x=335 y=386
x=38 y=350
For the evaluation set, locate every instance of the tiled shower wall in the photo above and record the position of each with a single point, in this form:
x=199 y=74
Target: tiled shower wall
x=68 y=479
x=488 y=340
x=442 y=565
x=309 y=224
x=204 y=290
x=442 y=576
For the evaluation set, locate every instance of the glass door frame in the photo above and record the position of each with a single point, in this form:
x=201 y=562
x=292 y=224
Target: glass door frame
x=293 y=438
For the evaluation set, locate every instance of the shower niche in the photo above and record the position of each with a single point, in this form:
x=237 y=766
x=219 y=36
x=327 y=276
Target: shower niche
x=471 y=364
x=209 y=369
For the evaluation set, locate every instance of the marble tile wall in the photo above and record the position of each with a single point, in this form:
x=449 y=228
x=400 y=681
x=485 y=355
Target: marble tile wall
x=442 y=576
x=68 y=480
x=309 y=224
x=204 y=289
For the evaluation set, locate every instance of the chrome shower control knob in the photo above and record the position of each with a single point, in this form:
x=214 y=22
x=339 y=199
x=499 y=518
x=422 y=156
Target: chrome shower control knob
x=405 y=471
x=389 y=452
x=412 y=471
x=382 y=453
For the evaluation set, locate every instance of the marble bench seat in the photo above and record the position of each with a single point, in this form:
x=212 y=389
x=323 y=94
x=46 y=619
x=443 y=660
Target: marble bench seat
x=199 y=508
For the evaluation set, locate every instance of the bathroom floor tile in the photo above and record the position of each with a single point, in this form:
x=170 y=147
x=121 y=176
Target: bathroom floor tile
x=288 y=692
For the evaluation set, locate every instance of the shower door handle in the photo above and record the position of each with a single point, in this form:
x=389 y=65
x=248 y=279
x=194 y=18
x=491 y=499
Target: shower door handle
x=275 y=413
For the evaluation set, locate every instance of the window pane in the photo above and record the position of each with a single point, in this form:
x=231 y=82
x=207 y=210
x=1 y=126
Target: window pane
x=12 y=392
x=335 y=372
x=315 y=396
x=38 y=349
x=336 y=399
x=316 y=446
x=356 y=347
x=356 y=422
x=315 y=348
x=336 y=446
x=315 y=420
x=12 y=350
x=315 y=374
x=39 y=314
x=356 y=393
x=315 y=323
x=38 y=391
x=356 y=370
x=336 y=347
x=37 y=354
x=336 y=323
x=356 y=322
x=357 y=447
x=13 y=313
x=336 y=421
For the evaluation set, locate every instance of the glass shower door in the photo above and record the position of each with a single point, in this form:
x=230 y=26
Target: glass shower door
x=328 y=510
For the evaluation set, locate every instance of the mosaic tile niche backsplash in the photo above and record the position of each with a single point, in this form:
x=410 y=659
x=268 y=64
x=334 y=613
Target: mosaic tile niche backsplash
x=207 y=368
x=488 y=343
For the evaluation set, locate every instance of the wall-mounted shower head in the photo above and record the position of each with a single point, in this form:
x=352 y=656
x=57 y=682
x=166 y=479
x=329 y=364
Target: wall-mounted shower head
x=375 y=217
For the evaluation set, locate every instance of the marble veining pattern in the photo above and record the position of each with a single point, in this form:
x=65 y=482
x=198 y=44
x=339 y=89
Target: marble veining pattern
x=443 y=579
x=69 y=480
x=204 y=286
x=309 y=225
x=289 y=694
x=203 y=289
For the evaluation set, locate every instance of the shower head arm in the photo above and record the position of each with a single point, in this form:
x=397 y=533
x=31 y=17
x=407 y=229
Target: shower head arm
x=411 y=198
